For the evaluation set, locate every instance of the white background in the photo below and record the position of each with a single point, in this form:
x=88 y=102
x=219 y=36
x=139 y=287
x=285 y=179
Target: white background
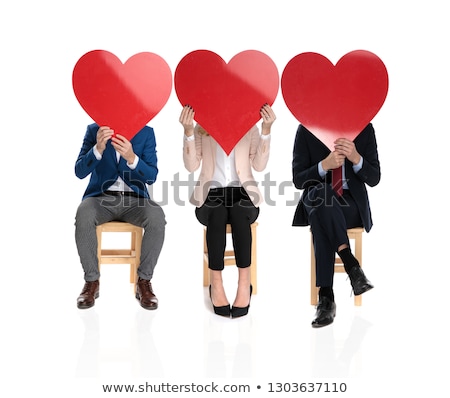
x=397 y=342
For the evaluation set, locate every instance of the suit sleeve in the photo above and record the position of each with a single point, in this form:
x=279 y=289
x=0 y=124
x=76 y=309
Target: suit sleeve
x=366 y=144
x=259 y=150
x=305 y=172
x=192 y=151
x=86 y=161
x=146 y=170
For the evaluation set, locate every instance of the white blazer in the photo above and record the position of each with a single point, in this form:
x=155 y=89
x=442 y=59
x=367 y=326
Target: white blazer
x=251 y=151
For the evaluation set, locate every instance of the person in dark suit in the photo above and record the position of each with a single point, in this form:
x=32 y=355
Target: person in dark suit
x=330 y=213
x=120 y=171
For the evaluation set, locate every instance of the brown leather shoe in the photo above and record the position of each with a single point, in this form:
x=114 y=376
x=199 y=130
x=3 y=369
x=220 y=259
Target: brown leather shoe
x=87 y=297
x=144 y=293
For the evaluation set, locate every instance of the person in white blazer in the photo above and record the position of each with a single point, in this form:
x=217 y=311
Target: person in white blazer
x=227 y=193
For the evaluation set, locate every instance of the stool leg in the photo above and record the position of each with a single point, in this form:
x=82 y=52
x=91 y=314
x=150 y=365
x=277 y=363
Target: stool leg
x=99 y=245
x=133 y=265
x=358 y=255
x=137 y=247
x=313 y=289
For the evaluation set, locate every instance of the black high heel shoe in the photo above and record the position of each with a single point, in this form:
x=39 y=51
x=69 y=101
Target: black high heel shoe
x=223 y=310
x=237 y=312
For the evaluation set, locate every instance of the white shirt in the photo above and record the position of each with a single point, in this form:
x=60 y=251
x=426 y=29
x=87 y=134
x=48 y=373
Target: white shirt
x=119 y=184
x=225 y=173
x=356 y=168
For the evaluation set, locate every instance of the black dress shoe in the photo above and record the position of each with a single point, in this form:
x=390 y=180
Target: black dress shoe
x=237 y=312
x=223 y=310
x=326 y=311
x=360 y=283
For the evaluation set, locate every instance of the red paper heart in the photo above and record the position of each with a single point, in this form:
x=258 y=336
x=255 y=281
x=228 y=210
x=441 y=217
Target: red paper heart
x=226 y=98
x=126 y=96
x=335 y=101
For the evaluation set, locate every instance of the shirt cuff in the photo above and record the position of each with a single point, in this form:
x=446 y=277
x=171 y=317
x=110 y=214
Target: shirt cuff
x=189 y=137
x=265 y=136
x=321 y=171
x=358 y=166
x=133 y=165
x=97 y=154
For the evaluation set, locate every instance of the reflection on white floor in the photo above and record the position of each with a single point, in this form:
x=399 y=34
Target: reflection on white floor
x=119 y=342
x=126 y=342
x=334 y=358
x=394 y=342
x=138 y=352
x=123 y=341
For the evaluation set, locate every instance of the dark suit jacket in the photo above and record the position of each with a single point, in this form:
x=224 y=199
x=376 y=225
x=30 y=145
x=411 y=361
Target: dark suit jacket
x=104 y=172
x=309 y=151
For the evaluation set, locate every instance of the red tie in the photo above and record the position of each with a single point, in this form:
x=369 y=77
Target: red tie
x=336 y=180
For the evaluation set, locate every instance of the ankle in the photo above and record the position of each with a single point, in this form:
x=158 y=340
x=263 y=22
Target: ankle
x=348 y=259
x=326 y=291
x=217 y=293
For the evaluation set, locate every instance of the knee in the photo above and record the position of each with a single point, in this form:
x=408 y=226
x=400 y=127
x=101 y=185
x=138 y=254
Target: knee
x=318 y=191
x=244 y=212
x=155 y=218
x=319 y=196
x=85 y=213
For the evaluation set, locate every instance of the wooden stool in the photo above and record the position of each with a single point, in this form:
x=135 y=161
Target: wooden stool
x=356 y=235
x=229 y=258
x=131 y=256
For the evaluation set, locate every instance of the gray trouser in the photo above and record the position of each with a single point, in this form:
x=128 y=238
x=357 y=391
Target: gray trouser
x=98 y=210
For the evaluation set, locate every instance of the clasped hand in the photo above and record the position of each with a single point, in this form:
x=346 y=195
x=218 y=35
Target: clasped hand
x=343 y=149
x=119 y=142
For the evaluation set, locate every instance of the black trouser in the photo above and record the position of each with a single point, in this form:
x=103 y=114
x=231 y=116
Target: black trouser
x=329 y=216
x=224 y=206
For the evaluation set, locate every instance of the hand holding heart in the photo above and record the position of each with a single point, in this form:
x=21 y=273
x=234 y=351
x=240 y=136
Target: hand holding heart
x=335 y=101
x=227 y=97
x=119 y=142
x=123 y=96
x=123 y=147
x=332 y=101
x=188 y=114
x=333 y=161
x=347 y=148
x=187 y=120
x=268 y=117
x=343 y=148
x=104 y=134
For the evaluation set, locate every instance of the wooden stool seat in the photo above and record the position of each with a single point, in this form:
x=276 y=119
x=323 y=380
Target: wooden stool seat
x=353 y=234
x=229 y=257
x=131 y=255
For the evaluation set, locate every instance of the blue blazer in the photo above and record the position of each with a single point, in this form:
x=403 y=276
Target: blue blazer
x=104 y=172
x=309 y=151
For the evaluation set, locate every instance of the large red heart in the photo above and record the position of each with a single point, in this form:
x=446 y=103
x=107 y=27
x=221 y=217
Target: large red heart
x=335 y=101
x=226 y=98
x=126 y=96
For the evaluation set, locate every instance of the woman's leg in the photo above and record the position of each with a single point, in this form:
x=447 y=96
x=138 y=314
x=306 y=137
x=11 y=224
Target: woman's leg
x=214 y=215
x=243 y=291
x=242 y=214
x=218 y=296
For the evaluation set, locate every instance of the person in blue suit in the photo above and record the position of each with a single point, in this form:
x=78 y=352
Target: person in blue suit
x=120 y=171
